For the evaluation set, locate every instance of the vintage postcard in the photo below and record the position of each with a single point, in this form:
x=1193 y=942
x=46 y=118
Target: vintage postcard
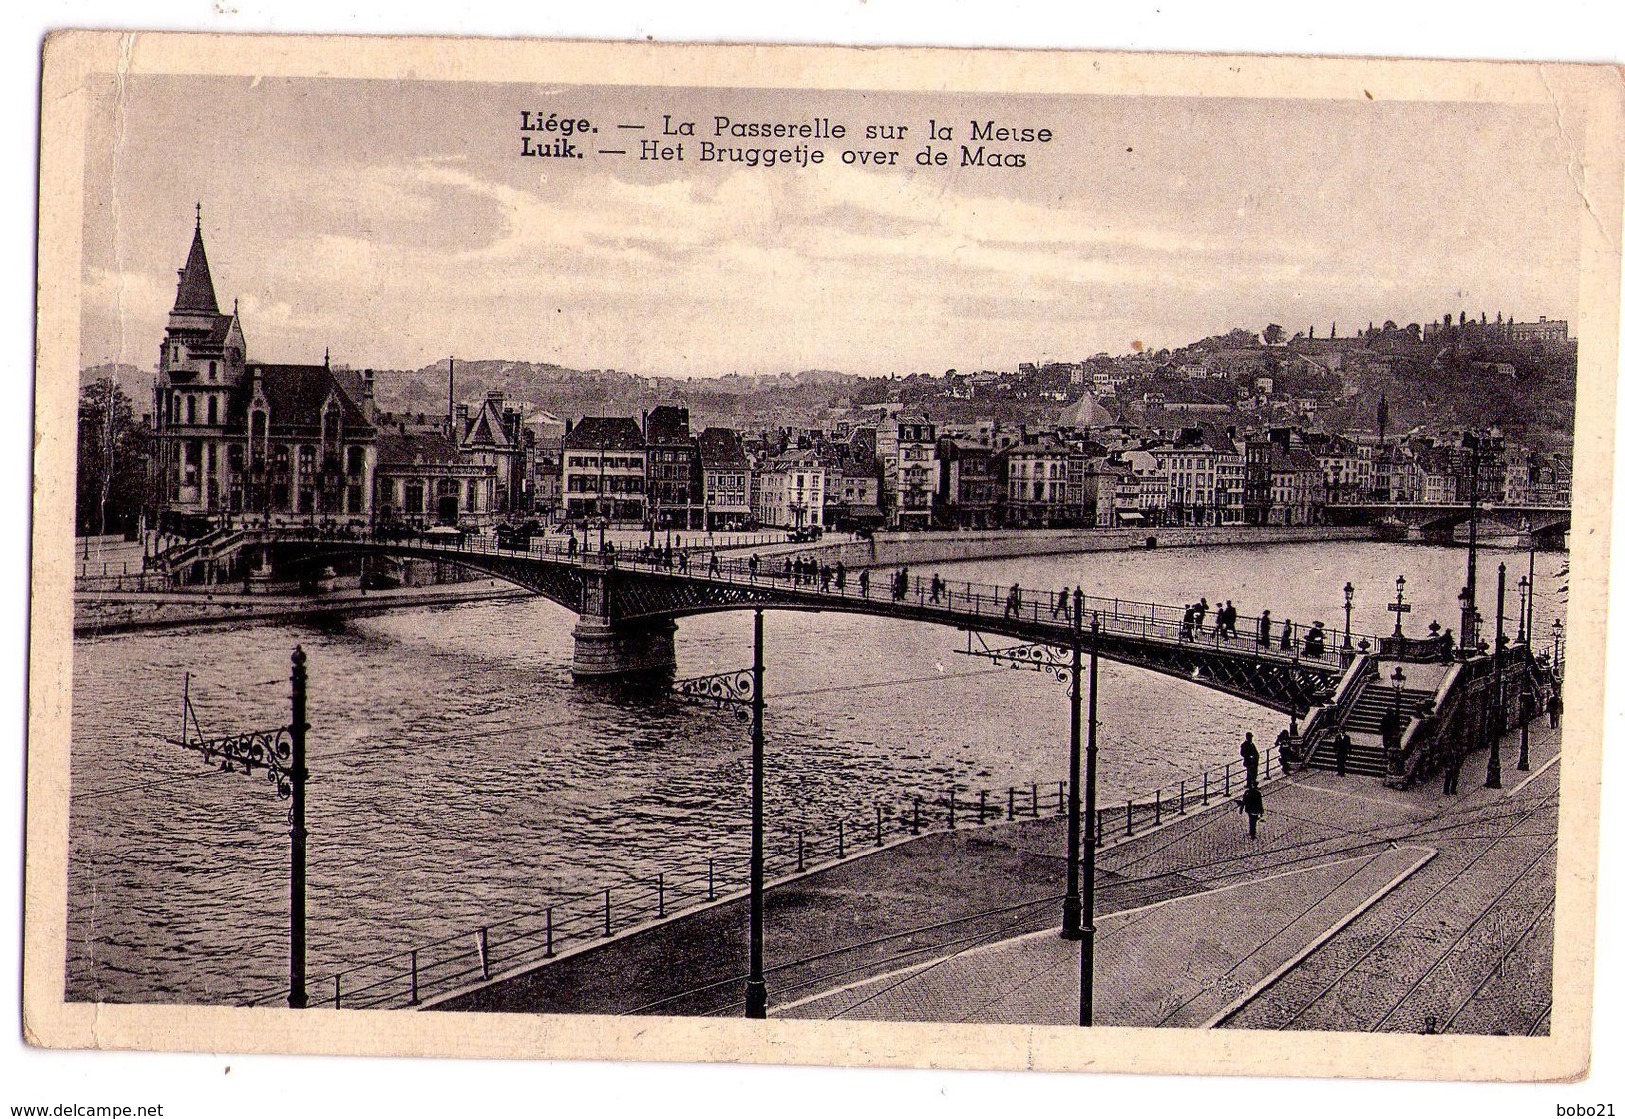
x=892 y=557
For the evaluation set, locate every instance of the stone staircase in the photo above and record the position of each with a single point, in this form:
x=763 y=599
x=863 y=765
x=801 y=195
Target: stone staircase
x=1364 y=726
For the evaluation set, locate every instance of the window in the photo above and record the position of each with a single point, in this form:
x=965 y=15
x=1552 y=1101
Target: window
x=358 y=459
x=414 y=497
x=191 y=409
x=214 y=407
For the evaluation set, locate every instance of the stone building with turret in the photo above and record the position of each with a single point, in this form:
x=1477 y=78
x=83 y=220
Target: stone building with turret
x=236 y=438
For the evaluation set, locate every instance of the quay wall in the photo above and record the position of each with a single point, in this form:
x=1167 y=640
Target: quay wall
x=892 y=549
x=121 y=611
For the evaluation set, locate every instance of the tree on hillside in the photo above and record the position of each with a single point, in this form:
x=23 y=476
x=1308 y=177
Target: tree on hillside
x=1273 y=333
x=113 y=452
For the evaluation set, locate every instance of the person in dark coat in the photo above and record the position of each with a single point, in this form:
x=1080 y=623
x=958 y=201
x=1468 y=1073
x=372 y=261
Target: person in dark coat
x=1252 y=803
x=1264 y=630
x=1340 y=751
x=1249 y=758
x=1452 y=772
x=1554 y=708
x=863 y=582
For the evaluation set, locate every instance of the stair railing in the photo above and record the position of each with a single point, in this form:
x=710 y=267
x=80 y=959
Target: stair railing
x=1323 y=721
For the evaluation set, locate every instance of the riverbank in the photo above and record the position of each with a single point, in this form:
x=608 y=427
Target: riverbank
x=106 y=612
x=1200 y=925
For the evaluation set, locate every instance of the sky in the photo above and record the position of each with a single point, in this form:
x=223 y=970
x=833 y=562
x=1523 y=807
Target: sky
x=395 y=224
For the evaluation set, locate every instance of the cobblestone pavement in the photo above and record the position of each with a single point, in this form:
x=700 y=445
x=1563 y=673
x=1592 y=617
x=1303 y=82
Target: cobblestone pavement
x=1357 y=907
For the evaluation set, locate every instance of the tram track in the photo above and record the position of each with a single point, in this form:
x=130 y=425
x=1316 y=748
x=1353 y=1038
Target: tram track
x=1510 y=832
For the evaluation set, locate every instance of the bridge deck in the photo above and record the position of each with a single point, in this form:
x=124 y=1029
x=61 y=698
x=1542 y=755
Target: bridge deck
x=690 y=584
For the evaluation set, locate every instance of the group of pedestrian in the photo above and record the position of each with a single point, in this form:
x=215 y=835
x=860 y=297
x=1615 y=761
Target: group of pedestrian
x=1224 y=619
x=1191 y=624
x=1252 y=800
x=899 y=584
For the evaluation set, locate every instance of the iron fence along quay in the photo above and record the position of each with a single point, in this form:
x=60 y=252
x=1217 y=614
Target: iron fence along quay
x=574 y=922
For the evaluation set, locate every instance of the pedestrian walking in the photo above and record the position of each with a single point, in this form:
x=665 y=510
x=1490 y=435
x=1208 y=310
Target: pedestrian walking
x=715 y=567
x=1201 y=614
x=1249 y=758
x=1554 y=708
x=936 y=588
x=1264 y=630
x=1340 y=751
x=1283 y=750
x=1057 y=603
x=1314 y=642
x=840 y=576
x=755 y=564
x=1286 y=636
x=1452 y=772
x=902 y=582
x=1252 y=803
x=863 y=582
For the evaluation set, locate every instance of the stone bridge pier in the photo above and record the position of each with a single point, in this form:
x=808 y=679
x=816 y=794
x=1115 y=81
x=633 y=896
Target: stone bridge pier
x=607 y=646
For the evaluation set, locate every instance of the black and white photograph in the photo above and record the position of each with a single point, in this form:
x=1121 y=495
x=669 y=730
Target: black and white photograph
x=1040 y=548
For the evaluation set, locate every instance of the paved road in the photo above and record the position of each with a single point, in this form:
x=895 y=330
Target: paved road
x=1357 y=908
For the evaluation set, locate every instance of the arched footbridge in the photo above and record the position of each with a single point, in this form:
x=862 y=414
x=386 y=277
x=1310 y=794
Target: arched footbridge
x=628 y=607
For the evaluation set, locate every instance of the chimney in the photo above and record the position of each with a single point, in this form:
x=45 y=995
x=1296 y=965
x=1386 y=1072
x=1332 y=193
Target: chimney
x=366 y=391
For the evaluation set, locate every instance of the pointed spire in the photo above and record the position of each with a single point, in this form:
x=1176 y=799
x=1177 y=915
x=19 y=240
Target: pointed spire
x=195 y=291
x=327 y=358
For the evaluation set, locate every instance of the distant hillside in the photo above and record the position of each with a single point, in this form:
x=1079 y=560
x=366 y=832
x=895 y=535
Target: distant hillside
x=136 y=383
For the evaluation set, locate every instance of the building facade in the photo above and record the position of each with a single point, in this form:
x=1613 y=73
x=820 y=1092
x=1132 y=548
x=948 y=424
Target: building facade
x=604 y=471
x=236 y=439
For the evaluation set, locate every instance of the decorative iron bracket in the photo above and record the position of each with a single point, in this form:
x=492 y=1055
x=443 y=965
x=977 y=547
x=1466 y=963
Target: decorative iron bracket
x=735 y=689
x=1037 y=656
x=269 y=750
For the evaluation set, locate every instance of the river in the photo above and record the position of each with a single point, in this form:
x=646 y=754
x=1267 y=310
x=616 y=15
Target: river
x=458 y=776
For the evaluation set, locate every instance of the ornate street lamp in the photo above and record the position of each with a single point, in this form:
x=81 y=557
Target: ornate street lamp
x=280 y=753
x=1348 y=613
x=1399 y=607
x=741 y=690
x=1523 y=607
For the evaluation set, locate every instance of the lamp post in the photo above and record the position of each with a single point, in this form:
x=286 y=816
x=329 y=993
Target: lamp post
x=756 y=985
x=1557 y=648
x=1348 y=614
x=1086 y=952
x=1492 y=776
x=1465 y=599
x=280 y=752
x=1399 y=607
x=1071 y=906
x=1469 y=614
x=1529 y=626
x=1523 y=607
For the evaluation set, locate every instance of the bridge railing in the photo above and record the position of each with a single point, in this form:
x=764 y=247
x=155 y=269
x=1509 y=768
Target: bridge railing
x=574 y=922
x=957 y=599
